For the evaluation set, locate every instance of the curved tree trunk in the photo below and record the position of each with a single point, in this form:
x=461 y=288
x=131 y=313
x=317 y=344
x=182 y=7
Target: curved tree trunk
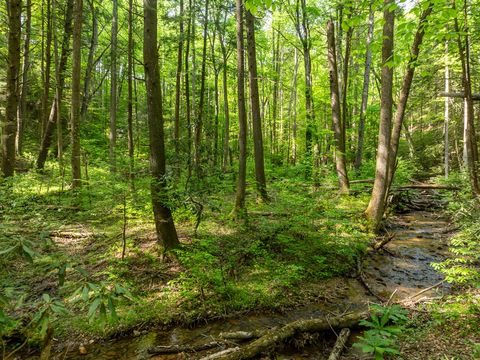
x=165 y=228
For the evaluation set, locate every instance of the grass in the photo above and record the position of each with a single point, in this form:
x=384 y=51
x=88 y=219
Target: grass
x=304 y=235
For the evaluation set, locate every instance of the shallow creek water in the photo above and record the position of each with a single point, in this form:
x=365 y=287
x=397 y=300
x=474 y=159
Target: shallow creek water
x=421 y=238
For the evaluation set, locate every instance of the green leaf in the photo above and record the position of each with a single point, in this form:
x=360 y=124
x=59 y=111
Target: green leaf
x=93 y=307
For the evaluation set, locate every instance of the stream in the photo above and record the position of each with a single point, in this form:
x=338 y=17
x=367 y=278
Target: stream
x=421 y=237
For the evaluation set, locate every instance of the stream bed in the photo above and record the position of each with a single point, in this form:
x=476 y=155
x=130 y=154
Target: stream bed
x=421 y=237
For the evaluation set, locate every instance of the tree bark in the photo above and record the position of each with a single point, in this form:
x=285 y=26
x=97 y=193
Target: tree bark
x=178 y=85
x=187 y=92
x=22 y=106
x=47 y=65
x=336 y=112
x=376 y=205
x=165 y=228
x=75 y=104
x=255 y=107
x=112 y=136
x=240 y=210
x=130 y=50
x=201 y=103
x=471 y=144
x=52 y=120
x=90 y=61
x=14 y=10
x=366 y=83
x=226 y=138
x=404 y=93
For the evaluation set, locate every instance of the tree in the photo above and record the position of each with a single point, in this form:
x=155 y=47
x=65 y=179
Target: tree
x=376 y=205
x=240 y=210
x=165 y=228
x=336 y=112
x=113 y=89
x=178 y=85
x=255 y=107
x=22 y=105
x=75 y=102
x=60 y=76
x=14 y=10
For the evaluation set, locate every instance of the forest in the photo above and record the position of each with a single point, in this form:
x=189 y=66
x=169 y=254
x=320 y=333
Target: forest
x=277 y=179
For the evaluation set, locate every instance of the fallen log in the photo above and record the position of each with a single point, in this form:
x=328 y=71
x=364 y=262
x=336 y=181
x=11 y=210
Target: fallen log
x=220 y=354
x=339 y=344
x=427 y=186
x=242 y=335
x=175 y=349
x=275 y=336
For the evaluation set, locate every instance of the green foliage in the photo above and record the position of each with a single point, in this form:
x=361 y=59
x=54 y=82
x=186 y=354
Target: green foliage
x=385 y=324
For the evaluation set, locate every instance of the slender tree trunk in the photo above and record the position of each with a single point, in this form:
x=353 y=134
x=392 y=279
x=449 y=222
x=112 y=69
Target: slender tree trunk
x=471 y=143
x=90 y=62
x=22 y=106
x=75 y=105
x=255 y=107
x=58 y=91
x=336 y=112
x=187 y=91
x=178 y=85
x=14 y=10
x=130 y=50
x=226 y=137
x=113 y=90
x=47 y=66
x=346 y=68
x=376 y=206
x=47 y=137
x=199 y=122
x=447 y=115
x=294 y=95
x=165 y=228
x=404 y=93
x=366 y=83
x=240 y=210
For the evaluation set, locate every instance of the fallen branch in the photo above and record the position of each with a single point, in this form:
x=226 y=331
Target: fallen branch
x=410 y=298
x=339 y=344
x=364 y=181
x=220 y=354
x=274 y=336
x=385 y=240
x=175 y=349
x=361 y=278
x=242 y=335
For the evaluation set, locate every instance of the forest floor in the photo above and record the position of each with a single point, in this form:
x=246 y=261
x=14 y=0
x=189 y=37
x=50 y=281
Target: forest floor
x=287 y=255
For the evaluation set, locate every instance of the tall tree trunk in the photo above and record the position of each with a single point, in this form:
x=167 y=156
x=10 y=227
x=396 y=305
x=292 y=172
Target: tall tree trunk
x=240 y=210
x=113 y=90
x=75 y=105
x=226 y=136
x=255 y=107
x=14 y=10
x=188 y=104
x=22 y=106
x=47 y=136
x=447 y=115
x=165 y=228
x=344 y=82
x=293 y=101
x=199 y=122
x=366 y=83
x=376 y=205
x=404 y=93
x=90 y=61
x=58 y=91
x=464 y=53
x=47 y=66
x=336 y=112
x=178 y=85
x=130 y=50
